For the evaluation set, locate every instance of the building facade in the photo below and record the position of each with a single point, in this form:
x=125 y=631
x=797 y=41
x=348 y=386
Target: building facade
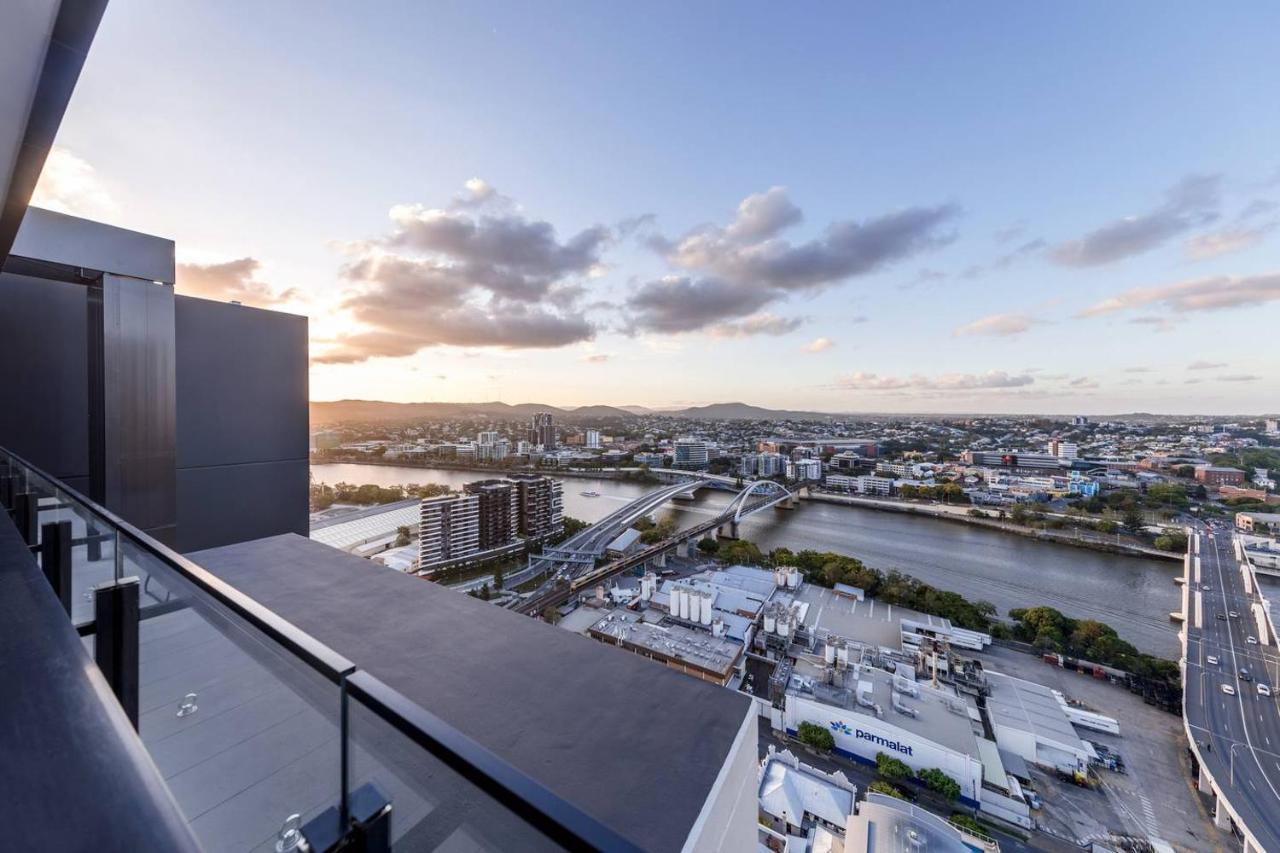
x=690 y=454
x=449 y=530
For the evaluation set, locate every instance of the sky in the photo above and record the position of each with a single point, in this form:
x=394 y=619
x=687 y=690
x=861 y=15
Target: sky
x=1005 y=207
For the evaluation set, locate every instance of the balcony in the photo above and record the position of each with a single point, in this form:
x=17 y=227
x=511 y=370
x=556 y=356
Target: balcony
x=257 y=736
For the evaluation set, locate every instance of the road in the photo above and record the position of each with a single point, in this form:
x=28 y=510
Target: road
x=1239 y=735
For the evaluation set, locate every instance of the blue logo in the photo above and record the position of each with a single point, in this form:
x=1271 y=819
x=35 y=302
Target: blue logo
x=842 y=728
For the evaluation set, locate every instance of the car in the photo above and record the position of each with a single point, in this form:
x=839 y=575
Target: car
x=1233 y=614
x=1221 y=616
x=1228 y=689
x=1211 y=659
x=1264 y=689
x=1244 y=675
x=1205 y=587
x=1251 y=640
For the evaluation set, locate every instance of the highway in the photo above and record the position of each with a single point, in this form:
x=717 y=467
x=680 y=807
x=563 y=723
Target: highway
x=1238 y=736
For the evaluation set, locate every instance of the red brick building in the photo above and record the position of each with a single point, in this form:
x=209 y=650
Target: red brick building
x=1216 y=475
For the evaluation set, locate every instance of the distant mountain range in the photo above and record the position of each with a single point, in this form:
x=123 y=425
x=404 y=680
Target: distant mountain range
x=339 y=411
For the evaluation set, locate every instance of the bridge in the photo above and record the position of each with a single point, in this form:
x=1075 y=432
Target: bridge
x=572 y=553
x=1232 y=727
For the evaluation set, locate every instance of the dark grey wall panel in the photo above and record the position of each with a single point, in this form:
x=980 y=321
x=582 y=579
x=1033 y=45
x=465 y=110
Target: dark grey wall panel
x=139 y=430
x=235 y=503
x=242 y=384
x=242 y=423
x=44 y=410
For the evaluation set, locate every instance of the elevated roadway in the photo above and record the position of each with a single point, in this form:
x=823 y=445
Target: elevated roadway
x=1235 y=734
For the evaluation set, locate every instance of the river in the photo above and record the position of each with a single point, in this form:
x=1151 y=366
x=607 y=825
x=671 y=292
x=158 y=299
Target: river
x=1132 y=594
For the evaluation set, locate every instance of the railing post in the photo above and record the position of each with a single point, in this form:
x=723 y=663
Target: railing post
x=6 y=488
x=116 y=640
x=55 y=559
x=27 y=517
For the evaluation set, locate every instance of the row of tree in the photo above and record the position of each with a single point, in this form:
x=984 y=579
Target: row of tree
x=1050 y=630
x=324 y=496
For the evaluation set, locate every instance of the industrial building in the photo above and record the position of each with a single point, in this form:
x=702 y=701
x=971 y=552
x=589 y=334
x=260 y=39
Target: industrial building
x=366 y=532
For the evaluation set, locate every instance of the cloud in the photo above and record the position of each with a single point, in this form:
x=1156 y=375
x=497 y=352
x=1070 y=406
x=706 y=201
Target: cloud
x=597 y=358
x=1157 y=324
x=947 y=382
x=923 y=276
x=1205 y=246
x=758 y=324
x=819 y=345
x=999 y=325
x=1190 y=203
x=1083 y=382
x=1010 y=233
x=859 y=318
x=69 y=184
x=724 y=273
x=1257 y=207
x=476 y=274
x=1138 y=370
x=230 y=281
x=1202 y=294
x=1239 y=377
x=1206 y=365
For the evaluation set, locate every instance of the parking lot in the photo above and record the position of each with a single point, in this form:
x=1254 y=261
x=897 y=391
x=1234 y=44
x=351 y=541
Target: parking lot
x=1154 y=798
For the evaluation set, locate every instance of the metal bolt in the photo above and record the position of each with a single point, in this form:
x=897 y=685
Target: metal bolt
x=290 y=835
x=188 y=705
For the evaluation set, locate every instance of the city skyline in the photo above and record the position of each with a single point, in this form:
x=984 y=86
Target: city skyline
x=1027 y=213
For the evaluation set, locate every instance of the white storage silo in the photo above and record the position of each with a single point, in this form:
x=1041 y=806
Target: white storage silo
x=829 y=654
x=695 y=606
x=684 y=603
x=770 y=623
x=706 y=608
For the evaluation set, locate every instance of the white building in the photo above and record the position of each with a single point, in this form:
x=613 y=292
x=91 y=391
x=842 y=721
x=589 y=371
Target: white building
x=690 y=453
x=449 y=530
x=808 y=469
x=593 y=439
x=769 y=464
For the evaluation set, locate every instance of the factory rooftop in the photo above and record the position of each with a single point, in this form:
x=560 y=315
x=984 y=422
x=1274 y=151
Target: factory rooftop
x=1030 y=707
x=869 y=622
x=884 y=823
x=362 y=527
x=679 y=647
x=942 y=716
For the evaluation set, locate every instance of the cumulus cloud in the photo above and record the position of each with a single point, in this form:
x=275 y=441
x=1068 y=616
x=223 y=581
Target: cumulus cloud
x=70 y=184
x=819 y=345
x=1202 y=294
x=1083 y=382
x=999 y=325
x=732 y=271
x=597 y=358
x=1191 y=203
x=230 y=281
x=758 y=324
x=1211 y=245
x=947 y=382
x=477 y=273
x=1206 y=365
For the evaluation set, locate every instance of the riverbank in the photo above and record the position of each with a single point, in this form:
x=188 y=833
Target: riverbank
x=1078 y=538
x=626 y=475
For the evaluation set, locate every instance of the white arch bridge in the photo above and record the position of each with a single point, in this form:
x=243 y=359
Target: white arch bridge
x=581 y=550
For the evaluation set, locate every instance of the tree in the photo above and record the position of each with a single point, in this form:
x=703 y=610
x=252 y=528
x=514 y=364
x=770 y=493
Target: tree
x=403 y=536
x=891 y=768
x=497 y=578
x=880 y=787
x=485 y=595
x=936 y=780
x=708 y=545
x=814 y=735
x=1132 y=519
x=550 y=614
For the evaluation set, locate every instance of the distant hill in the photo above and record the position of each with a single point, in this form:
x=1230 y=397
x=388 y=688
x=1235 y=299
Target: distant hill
x=339 y=411
x=745 y=412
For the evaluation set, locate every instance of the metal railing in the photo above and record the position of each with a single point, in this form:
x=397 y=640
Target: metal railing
x=357 y=761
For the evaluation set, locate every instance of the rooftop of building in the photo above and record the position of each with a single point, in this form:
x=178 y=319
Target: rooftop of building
x=1030 y=707
x=354 y=528
x=884 y=824
x=869 y=622
x=942 y=715
x=789 y=790
x=695 y=647
x=679 y=730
